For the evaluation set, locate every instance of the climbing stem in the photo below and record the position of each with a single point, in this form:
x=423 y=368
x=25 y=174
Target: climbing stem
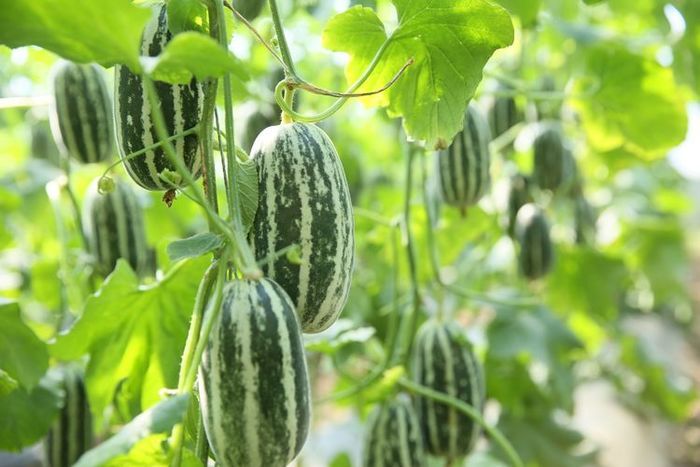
x=205 y=138
x=150 y=147
x=410 y=324
x=338 y=104
x=162 y=133
x=250 y=268
x=200 y=302
x=469 y=411
x=210 y=309
x=290 y=70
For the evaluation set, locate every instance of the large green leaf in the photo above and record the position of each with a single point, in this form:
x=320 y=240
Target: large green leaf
x=450 y=42
x=22 y=354
x=26 y=416
x=626 y=100
x=192 y=54
x=588 y=281
x=134 y=335
x=158 y=419
x=527 y=10
x=105 y=31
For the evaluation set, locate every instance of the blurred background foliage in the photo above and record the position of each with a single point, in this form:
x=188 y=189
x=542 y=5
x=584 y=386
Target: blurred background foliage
x=619 y=309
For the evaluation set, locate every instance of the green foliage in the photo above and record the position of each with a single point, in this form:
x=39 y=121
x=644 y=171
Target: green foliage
x=192 y=54
x=195 y=246
x=446 y=64
x=78 y=30
x=158 y=419
x=602 y=71
x=134 y=335
x=23 y=356
x=27 y=414
x=622 y=95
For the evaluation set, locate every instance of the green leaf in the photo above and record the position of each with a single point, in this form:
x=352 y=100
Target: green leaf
x=7 y=383
x=107 y=32
x=22 y=354
x=186 y=15
x=536 y=333
x=195 y=246
x=134 y=335
x=191 y=54
x=541 y=441
x=342 y=333
x=659 y=386
x=159 y=419
x=527 y=10
x=623 y=96
x=27 y=415
x=153 y=451
x=657 y=249
x=450 y=41
x=341 y=460
x=248 y=192
x=605 y=278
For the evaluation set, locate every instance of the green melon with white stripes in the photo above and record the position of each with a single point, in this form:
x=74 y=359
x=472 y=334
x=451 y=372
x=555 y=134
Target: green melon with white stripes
x=554 y=165
x=253 y=380
x=443 y=360
x=463 y=169
x=182 y=106
x=114 y=228
x=81 y=113
x=42 y=145
x=536 y=254
x=518 y=196
x=71 y=434
x=503 y=113
x=303 y=200
x=394 y=436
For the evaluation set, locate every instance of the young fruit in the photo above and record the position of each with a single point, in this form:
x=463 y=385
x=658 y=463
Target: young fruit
x=393 y=437
x=71 y=434
x=503 y=113
x=114 y=228
x=554 y=166
x=303 y=199
x=42 y=145
x=253 y=382
x=536 y=251
x=250 y=9
x=182 y=106
x=81 y=113
x=518 y=196
x=463 y=168
x=444 y=361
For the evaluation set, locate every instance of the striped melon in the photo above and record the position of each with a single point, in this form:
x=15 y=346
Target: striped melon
x=253 y=382
x=81 y=113
x=71 y=434
x=394 y=437
x=303 y=200
x=584 y=220
x=444 y=361
x=532 y=232
x=503 y=113
x=182 y=106
x=518 y=196
x=463 y=168
x=42 y=145
x=554 y=165
x=250 y=9
x=547 y=109
x=114 y=228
